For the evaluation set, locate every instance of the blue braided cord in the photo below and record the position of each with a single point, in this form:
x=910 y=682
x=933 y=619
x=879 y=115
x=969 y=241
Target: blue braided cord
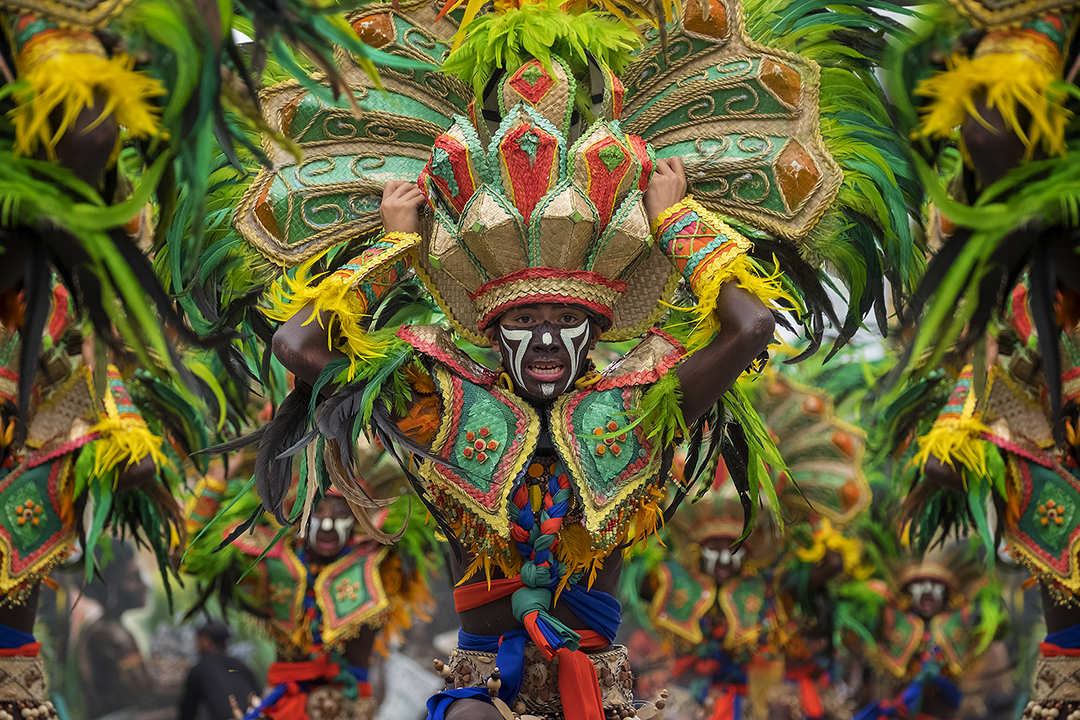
x=309 y=601
x=361 y=674
x=11 y=638
x=1067 y=638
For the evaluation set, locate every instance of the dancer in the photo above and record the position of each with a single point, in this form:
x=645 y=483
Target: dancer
x=538 y=242
x=327 y=598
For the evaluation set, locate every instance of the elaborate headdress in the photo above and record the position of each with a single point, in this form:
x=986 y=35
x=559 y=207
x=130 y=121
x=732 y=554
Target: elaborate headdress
x=531 y=218
x=541 y=168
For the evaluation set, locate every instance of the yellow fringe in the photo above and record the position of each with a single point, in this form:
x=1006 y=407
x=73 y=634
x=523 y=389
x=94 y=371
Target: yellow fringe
x=1010 y=81
x=746 y=275
x=122 y=438
x=827 y=538
x=486 y=560
x=72 y=80
x=408 y=595
x=335 y=296
x=954 y=440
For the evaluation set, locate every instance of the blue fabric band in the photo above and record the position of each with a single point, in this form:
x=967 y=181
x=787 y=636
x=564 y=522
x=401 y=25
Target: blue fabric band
x=11 y=638
x=1067 y=638
x=597 y=609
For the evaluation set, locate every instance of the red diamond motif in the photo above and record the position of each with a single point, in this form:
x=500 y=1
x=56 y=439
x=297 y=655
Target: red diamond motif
x=541 y=82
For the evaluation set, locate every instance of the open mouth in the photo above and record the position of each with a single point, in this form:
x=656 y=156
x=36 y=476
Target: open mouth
x=545 y=372
x=327 y=542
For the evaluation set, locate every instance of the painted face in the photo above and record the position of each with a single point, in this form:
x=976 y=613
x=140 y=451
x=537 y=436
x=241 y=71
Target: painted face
x=545 y=348
x=928 y=598
x=330 y=526
x=718 y=560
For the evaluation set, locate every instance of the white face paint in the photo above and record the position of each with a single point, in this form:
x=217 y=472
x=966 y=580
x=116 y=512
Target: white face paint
x=927 y=587
x=928 y=597
x=342 y=526
x=518 y=340
x=572 y=344
x=575 y=339
x=723 y=556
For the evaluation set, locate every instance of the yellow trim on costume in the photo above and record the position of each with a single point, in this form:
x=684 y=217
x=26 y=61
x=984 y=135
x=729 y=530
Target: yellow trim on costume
x=827 y=538
x=339 y=296
x=666 y=215
x=729 y=263
x=122 y=437
x=1012 y=81
x=597 y=516
x=332 y=636
x=494 y=517
x=71 y=81
x=958 y=439
x=744 y=273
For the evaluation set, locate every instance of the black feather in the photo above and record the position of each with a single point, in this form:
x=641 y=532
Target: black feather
x=37 y=291
x=273 y=473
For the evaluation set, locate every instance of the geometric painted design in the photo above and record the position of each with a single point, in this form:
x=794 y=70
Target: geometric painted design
x=350 y=591
x=606 y=480
x=745 y=602
x=901 y=638
x=529 y=157
x=450 y=169
x=548 y=92
x=531 y=82
x=482 y=487
x=277 y=583
x=680 y=601
x=1046 y=495
x=608 y=163
x=32 y=533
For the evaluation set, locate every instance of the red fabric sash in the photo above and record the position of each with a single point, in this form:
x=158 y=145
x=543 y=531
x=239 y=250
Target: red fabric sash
x=293 y=704
x=724 y=705
x=578 y=685
x=808 y=692
x=470 y=597
x=1052 y=650
x=28 y=650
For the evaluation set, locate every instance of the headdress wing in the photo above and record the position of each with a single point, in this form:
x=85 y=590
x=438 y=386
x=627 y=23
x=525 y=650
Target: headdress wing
x=744 y=116
x=349 y=147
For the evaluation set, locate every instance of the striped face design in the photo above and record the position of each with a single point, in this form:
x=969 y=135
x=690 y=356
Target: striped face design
x=545 y=359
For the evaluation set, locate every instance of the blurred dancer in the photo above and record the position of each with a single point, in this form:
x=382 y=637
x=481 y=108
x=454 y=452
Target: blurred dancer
x=216 y=678
x=111 y=666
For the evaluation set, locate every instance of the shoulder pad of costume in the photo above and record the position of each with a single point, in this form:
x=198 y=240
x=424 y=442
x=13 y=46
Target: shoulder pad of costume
x=437 y=343
x=649 y=361
x=256 y=541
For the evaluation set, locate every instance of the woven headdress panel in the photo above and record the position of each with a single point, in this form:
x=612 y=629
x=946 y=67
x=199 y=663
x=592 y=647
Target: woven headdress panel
x=743 y=116
x=531 y=219
x=300 y=207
